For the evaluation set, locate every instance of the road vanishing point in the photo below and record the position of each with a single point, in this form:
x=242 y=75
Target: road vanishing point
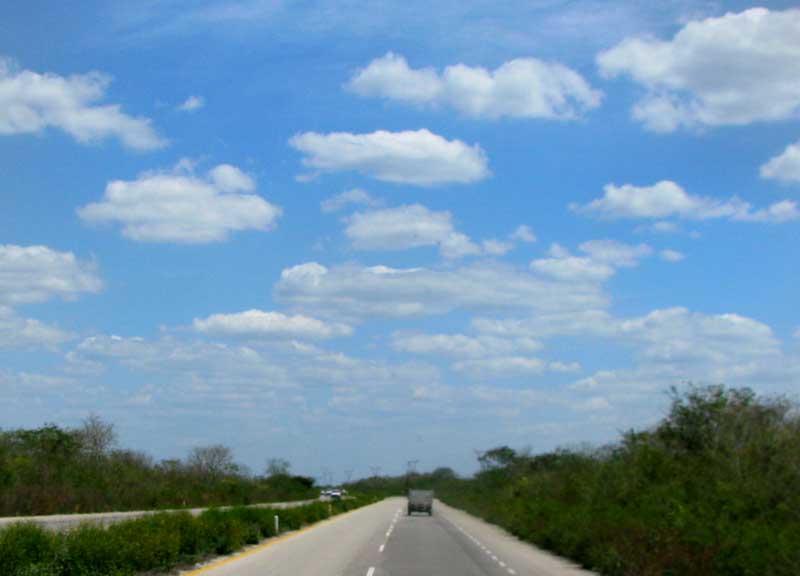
x=381 y=540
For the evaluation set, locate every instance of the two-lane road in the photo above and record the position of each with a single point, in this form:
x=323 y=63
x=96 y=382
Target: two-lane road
x=380 y=540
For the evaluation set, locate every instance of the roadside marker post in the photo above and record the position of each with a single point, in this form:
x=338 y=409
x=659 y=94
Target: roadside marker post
x=277 y=525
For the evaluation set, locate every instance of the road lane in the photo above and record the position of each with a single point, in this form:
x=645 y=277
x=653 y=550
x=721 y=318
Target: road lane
x=381 y=540
x=342 y=545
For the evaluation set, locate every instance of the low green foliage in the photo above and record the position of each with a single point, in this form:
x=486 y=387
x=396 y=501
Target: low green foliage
x=53 y=470
x=713 y=489
x=157 y=542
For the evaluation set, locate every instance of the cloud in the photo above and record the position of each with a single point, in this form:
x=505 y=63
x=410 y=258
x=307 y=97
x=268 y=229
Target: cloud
x=666 y=199
x=261 y=324
x=355 y=291
x=407 y=227
x=603 y=258
x=520 y=88
x=354 y=197
x=523 y=233
x=31 y=102
x=413 y=226
x=461 y=345
x=178 y=206
x=420 y=157
x=209 y=377
x=736 y=69
x=501 y=366
x=672 y=255
x=17 y=332
x=616 y=254
x=38 y=273
x=785 y=167
x=192 y=104
x=678 y=335
x=494 y=247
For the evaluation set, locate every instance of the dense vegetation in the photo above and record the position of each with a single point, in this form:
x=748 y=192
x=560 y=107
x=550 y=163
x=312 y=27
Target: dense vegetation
x=53 y=470
x=152 y=543
x=714 y=488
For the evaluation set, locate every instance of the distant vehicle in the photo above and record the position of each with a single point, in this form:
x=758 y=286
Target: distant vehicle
x=420 y=501
x=335 y=494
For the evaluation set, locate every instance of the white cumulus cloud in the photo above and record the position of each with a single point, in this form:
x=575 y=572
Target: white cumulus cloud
x=38 y=273
x=461 y=345
x=419 y=157
x=31 y=102
x=601 y=260
x=358 y=291
x=192 y=104
x=354 y=197
x=179 y=206
x=520 y=88
x=259 y=323
x=735 y=69
x=501 y=366
x=672 y=255
x=784 y=167
x=523 y=233
x=18 y=332
x=667 y=199
x=414 y=225
x=679 y=335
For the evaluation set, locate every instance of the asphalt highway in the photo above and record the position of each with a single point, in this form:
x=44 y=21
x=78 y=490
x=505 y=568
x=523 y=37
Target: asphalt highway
x=381 y=540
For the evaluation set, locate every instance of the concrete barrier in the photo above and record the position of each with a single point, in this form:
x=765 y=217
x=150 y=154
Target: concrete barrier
x=62 y=522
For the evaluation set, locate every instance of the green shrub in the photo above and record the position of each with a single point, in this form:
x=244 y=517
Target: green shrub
x=146 y=543
x=23 y=546
x=88 y=551
x=224 y=531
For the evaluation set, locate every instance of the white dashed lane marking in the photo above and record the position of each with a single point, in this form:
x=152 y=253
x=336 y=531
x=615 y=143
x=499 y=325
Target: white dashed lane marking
x=484 y=548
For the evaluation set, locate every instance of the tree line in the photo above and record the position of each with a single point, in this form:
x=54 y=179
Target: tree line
x=52 y=470
x=712 y=489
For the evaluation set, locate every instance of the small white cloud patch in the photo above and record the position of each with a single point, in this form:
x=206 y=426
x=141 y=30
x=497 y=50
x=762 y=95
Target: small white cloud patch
x=17 y=332
x=419 y=157
x=672 y=255
x=523 y=233
x=354 y=197
x=602 y=259
x=264 y=324
x=413 y=226
x=178 y=206
x=31 y=102
x=784 y=167
x=520 y=88
x=192 y=104
x=38 y=273
x=667 y=199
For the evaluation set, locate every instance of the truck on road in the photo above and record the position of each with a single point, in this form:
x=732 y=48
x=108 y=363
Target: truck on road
x=420 y=501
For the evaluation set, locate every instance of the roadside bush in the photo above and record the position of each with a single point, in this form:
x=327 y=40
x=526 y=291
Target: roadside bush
x=157 y=542
x=224 y=531
x=89 y=551
x=147 y=543
x=23 y=546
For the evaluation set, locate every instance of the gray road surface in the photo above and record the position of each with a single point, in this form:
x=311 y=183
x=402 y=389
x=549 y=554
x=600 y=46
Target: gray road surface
x=380 y=540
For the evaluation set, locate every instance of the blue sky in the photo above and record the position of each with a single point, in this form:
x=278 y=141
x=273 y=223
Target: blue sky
x=352 y=234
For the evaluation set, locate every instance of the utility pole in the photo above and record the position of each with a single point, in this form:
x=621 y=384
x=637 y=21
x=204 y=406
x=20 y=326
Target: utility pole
x=348 y=475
